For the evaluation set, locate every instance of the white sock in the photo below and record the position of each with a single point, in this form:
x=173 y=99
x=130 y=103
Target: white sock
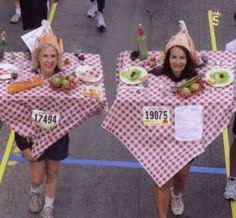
x=48 y=202
x=36 y=190
x=18 y=11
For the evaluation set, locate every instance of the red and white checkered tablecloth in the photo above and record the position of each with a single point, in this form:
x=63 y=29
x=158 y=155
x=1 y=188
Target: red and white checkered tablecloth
x=155 y=147
x=15 y=110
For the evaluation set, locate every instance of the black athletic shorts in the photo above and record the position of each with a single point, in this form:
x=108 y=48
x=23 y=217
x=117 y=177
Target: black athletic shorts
x=57 y=151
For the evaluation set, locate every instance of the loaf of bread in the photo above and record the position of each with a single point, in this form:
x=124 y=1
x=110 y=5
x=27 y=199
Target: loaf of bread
x=24 y=85
x=37 y=81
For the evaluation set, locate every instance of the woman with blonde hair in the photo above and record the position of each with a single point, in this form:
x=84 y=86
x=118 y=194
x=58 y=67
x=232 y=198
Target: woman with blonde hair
x=46 y=60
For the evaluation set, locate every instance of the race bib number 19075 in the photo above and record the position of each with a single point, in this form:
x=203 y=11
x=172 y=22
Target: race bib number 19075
x=156 y=116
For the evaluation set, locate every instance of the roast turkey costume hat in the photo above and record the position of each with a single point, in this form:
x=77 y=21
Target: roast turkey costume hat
x=183 y=38
x=48 y=37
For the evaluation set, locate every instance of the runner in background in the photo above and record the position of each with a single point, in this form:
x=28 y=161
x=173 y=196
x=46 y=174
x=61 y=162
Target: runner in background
x=33 y=12
x=230 y=189
x=96 y=8
x=17 y=16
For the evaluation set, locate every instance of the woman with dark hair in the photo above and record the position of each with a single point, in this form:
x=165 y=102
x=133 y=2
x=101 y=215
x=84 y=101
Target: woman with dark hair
x=188 y=71
x=180 y=59
x=177 y=66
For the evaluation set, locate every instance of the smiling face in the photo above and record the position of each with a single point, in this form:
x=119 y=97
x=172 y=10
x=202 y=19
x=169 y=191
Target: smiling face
x=177 y=61
x=48 y=61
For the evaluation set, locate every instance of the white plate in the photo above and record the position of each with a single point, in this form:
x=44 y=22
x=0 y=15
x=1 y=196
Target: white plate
x=81 y=72
x=129 y=81
x=229 y=72
x=5 y=76
x=83 y=69
x=7 y=68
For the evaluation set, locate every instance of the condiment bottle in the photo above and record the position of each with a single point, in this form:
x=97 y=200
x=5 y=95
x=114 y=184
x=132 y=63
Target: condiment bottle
x=2 y=44
x=142 y=43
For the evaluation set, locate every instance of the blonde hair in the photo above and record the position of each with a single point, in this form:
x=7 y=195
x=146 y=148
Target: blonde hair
x=38 y=52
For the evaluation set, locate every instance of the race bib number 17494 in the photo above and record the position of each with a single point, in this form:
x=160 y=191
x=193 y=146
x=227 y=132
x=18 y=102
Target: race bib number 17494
x=45 y=119
x=156 y=116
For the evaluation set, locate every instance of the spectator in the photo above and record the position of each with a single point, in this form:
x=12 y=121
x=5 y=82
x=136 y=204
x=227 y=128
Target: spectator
x=17 y=16
x=96 y=8
x=33 y=12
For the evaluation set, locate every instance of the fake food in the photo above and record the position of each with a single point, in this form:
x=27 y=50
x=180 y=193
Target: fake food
x=132 y=74
x=92 y=92
x=190 y=87
x=24 y=85
x=220 y=77
x=60 y=82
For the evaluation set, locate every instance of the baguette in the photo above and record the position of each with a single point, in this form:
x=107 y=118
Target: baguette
x=24 y=85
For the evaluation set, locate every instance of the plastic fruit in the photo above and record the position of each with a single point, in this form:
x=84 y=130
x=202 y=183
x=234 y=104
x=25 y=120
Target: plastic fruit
x=81 y=57
x=153 y=58
x=195 y=87
x=134 y=74
x=56 y=81
x=66 y=61
x=185 y=91
x=65 y=84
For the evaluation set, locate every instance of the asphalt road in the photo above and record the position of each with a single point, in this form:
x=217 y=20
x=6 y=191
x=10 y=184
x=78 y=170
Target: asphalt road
x=95 y=191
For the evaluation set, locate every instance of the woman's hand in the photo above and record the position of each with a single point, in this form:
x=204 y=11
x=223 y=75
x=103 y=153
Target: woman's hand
x=28 y=155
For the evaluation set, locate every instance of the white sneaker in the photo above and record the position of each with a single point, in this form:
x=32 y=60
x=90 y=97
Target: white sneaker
x=230 y=189
x=16 y=18
x=92 y=9
x=177 y=206
x=47 y=212
x=35 y=202
x=101 y=22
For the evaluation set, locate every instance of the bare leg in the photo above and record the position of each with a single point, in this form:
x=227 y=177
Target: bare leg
x=37 y=173
x=180 y=179
x=52 y=171
x=162 y=196
x=17 y=4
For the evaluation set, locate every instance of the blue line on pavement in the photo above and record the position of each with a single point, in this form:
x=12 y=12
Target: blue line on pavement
x=194 y=169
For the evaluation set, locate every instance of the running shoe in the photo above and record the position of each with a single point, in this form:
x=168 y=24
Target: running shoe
x=47 y=212
x=101 y=25
x=35 y=202
x=177 y=206
x=230 y=189
x=92 y=9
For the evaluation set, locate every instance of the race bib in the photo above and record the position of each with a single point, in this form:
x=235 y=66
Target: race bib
x=156 y=116
x=45 y=119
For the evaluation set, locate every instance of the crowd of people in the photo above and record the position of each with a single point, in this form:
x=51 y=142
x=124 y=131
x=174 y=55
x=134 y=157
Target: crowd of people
x=32 y=12
x=179 y=63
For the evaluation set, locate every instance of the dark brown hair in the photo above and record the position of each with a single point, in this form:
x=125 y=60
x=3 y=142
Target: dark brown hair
x=188 y=71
